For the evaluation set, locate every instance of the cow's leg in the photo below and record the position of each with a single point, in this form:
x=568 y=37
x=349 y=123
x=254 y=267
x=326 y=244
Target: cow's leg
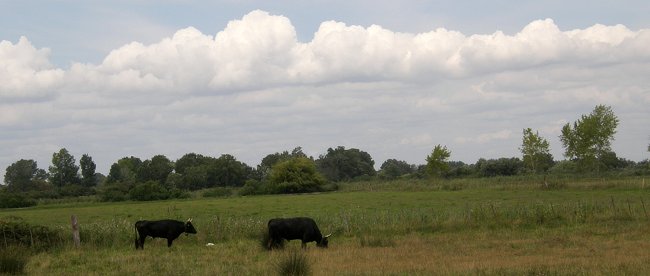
x=140 y=242
x=169 y=242
x=304 y=245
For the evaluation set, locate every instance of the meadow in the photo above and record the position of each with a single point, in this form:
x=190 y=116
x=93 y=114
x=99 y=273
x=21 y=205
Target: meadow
x=499 y=226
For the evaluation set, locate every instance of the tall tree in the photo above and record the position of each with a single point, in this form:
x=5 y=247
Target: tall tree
x=590 y=137
x=295 y=175
x=124 y=170
x=437 y=161
x=535 y=151
x=264 y=168
x=24 y=175
x=88 y=167
x=393 y=168
x=227 y=171
x=191 y=160
x=63 y=170
x=156 y=169
x=342 y=164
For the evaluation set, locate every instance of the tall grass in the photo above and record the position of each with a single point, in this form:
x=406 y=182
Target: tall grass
x=13 y=259
x=514 y=227
x=370 y=222
x=519 y=182
x=294 y=263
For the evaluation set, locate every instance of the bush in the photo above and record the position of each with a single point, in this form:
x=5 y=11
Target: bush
x=296 y=175
x=564 y=167
x=217 y=192
x=178 y=193
x=252 y=187
x=117 y=191
x=74 y=190
x=149 y=190
x=294 y=263
x=16 y=232
x=15 y=200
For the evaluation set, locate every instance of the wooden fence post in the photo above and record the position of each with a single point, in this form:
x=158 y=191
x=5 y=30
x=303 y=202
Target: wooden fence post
x=75 y=232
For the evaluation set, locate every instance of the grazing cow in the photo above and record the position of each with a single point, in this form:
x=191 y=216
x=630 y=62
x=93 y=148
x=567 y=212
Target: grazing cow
x=168 y=229
x=303 y=229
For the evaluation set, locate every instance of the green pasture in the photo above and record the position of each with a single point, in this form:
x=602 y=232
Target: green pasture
x=369 y=218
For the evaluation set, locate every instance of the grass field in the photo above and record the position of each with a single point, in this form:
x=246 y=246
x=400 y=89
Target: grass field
x=496 y=227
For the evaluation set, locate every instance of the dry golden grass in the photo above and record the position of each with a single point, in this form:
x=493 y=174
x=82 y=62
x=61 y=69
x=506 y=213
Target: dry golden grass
x=543 y=252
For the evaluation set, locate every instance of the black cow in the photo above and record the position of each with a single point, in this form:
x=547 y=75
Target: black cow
x=303 y=229
x=168 y=229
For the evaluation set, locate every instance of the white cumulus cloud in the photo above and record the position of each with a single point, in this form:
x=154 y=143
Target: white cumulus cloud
x=253 y=88
x=25 y=72
x=262 y=50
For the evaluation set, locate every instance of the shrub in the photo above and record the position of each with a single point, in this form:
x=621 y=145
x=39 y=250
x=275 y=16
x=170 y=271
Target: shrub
x=117 y=191
x=15 y=200
x=217 y=192
x=252 y=187
x=74 y=190
x=16 y=232
x=294 y=263
x=296 y=175
x=178 y=193
x=149 y=190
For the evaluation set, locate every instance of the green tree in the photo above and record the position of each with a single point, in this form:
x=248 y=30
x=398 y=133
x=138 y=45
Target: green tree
x=227 y=171
x=535 y=151
x=195 y=178
x=63 y=170
x=191 y=160
x=156 y=169
x=342 y=164
x=295 y=175
x=24 y=175
x=88 y=177
x=124 y=170
x=498 y=167
x=437 y=161
x=393 y=168
x=149 y=190
x=264 y=168
x=590 y=137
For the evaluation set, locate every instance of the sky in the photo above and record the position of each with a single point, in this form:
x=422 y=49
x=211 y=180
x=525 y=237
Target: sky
x=114 y=79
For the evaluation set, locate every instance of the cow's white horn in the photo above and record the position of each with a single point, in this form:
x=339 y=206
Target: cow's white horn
x=328 y=235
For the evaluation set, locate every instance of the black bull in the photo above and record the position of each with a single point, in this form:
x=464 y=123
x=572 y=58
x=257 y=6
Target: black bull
x=304 y=229
x=168 y=229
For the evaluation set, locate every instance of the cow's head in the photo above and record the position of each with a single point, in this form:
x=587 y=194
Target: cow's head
x=189 y=228
x=323 y=242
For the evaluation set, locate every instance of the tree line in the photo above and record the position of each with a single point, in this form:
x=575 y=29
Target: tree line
x=587 y=144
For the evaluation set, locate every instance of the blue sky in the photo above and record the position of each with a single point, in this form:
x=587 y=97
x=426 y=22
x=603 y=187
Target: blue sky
x=249 y=78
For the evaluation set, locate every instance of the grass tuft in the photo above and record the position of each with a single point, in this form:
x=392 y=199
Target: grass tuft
x=294 y=263
x=13 y=260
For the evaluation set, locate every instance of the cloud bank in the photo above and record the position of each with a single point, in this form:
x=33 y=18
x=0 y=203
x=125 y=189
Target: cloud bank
x=253 y=89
